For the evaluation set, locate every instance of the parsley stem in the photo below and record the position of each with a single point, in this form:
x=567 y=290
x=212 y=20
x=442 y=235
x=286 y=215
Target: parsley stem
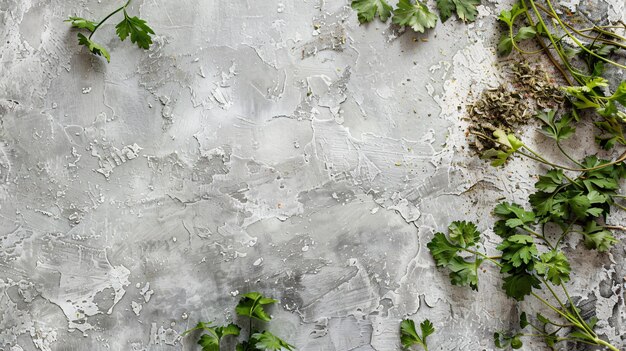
x=592 y=29
x=529 y=230
x=564 y=315
x=543 y=45
x=492 y=259
x=616 y=227
x=580 y=318
x=604 y=343
x=109 y=16
x=567 y=230
x=583 y=47
x=558 y=144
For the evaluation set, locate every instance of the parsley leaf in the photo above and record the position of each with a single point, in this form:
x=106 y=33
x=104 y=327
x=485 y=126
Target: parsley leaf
x=79 y=22
x=465 y=9
x=520 y=284
x=137 y=28
x=445 y=252
x=267 y=341
x=415 y=15
x=514 y=214
x=597 y=237
x=508 y=16
x=464 y=233
x=620 y=94
x=211 y=341
x=409 y=336
x=551 y=181
x=251 y=305
x=94 y=47
x=507 y=141
x=518 y=251
x=367 y=9
x=464 y=273
x=503 y=340
x=557 y=130
x=442 y=250
x=554 y=267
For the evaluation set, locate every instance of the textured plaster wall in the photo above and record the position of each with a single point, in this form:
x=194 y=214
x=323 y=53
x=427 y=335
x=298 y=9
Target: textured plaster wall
x=267 y=145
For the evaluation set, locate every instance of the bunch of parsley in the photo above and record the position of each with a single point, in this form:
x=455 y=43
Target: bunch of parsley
x=251 y=305
x=530 y=257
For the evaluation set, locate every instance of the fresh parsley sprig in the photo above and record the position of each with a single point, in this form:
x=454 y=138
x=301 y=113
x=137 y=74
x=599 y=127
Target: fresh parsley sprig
x=251 y=305
x=135 y=27
x=409 y=336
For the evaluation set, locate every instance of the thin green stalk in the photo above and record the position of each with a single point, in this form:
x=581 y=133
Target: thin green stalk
x=529 y=230
x=109 y=16
x=491 y=259
x=566 y=231
x=581 y=31
x=604 y=343
x=580 y=318
x=543 y=45
x=558 y=19
x=567 y=317
x=558 y=144
x=556 y=47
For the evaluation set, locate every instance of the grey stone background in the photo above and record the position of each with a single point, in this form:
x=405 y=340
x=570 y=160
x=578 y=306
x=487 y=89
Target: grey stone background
x=272 y=146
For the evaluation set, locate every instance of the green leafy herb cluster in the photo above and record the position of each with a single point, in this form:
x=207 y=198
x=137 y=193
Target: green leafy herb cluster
x=134 y=27
x=409 y=336
x=414 y=13
x=251 y=305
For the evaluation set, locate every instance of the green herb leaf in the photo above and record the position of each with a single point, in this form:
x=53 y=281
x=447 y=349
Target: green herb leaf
x=597 y=237
x=554 y=267
x=465 y=9
x=445 y=253
x=513 y=216
x=368 y=9
x=520 y=284
x=94 y=47
x=409 y=336
x=551 y=181
x=464 y=233
x=415 y=15
x=557 y=130
x=525 y=33
x=251 y=305
x=267 y=341
x=508 y=16
x=518 y=250
x=504 y=340
x=620 y=94
x=79 y=22
x=464 y=273
x=523 y=320
x=505 y=45
x=442 y=250
x=138 y=30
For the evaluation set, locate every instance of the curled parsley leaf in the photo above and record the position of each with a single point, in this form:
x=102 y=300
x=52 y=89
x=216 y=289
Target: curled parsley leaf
x=415 y=15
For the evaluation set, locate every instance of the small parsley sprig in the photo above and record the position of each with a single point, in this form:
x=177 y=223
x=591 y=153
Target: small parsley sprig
x=251 y=305
x=409 y=336
x=135 y=27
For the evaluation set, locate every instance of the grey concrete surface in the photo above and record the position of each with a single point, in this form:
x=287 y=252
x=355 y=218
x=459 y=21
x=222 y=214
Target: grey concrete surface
x=274 y=146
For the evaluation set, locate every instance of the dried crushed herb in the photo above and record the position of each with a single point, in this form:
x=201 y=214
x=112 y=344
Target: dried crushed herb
x=528 y=90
